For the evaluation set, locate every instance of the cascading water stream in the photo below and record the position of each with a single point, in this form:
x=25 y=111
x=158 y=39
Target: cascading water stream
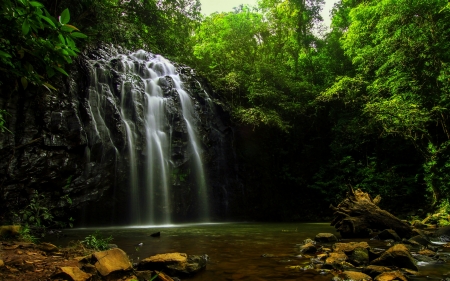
x=140 y=102
x=188 y=108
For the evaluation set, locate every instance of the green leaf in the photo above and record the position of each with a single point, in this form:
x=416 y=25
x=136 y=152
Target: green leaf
x=5 y=55
x=47 y=20
x=70 y=52
x=65 y=17
x=69 y=28
x=61 y=70
x=49 y=86
x=25 y=27
x=24 y=82
x=78 y=35
x=70 y=42
x=50 y=71
x=36 y=4
x=61 y=39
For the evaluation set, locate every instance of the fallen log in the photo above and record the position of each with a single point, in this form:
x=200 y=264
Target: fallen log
x=358 y=215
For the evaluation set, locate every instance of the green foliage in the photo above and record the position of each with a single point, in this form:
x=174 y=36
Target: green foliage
x=179 y=176
x=159 y=26
x=3 y=128
x=39 y=214
x=34 y=45
x=263 y=62
x=36 y=213
x=400 y=83
x=97 y=242
x=26 y=235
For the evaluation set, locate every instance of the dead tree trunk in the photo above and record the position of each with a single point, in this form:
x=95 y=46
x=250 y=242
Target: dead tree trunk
x=358 y=215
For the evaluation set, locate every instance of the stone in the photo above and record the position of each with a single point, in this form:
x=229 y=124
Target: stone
x=72 y=273
x=356 y=276
x=443 y=234
x=390 y=276
x=195 y=263
x=334 y=260
x=47 y=247
x=9 y=230
x=389 y=234
x=360 y=256
x=308 y=248
x=165 y=258
x=426 y=252
x=2 y=264
x=349 y=247
x=325 y=238
x=175 y=264
x=420 y=240
x=398 y=255
x=111 y=261
x=375 y=270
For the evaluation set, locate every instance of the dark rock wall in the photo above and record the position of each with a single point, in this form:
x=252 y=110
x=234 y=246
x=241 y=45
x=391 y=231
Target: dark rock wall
x=55 y=150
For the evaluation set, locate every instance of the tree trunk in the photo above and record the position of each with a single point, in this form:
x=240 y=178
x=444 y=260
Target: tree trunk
x=358 y=215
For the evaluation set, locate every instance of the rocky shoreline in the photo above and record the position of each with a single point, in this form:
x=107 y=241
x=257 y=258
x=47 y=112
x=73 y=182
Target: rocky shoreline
x=45 y=261
x=383 y=257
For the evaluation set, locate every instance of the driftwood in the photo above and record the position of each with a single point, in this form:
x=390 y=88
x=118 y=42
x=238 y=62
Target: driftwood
x=358 y=215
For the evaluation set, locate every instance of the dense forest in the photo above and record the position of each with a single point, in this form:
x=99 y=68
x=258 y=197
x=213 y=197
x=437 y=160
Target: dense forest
x=364 y=104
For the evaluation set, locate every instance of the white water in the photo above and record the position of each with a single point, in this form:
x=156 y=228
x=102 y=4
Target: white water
x=142 y=105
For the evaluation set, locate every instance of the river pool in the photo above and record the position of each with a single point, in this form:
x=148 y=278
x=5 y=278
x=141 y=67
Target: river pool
x=236 y=250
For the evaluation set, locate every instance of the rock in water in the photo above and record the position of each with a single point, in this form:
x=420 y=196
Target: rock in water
x=175 y=264
x=398 y=255
x=108 y=262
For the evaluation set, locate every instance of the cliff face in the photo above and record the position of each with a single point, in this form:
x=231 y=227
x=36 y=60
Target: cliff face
x=76 y=142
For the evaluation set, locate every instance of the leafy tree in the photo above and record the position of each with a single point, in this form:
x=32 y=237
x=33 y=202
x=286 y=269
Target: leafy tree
x=34 y=45
x=400 y=53
x=159 y=26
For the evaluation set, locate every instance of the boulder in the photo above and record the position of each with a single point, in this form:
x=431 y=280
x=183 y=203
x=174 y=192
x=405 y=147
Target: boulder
x=360 y=256
x=9 y=230
x=308 y=248
x=111 y=261
x=422 y=240
x=389 y=234
x=176 y=264
x=375 y=270
x=326 y=238
x=334 y=260
x=349 y=247
x=443 y=234
x=390 y=276
x=427 y=252
x=356 y=276
x=398 y=255
x=72 y=274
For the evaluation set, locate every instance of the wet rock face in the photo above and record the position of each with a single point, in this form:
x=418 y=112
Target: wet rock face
x=59 y=146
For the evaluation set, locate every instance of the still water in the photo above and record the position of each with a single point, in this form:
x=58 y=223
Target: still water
x=236 y=250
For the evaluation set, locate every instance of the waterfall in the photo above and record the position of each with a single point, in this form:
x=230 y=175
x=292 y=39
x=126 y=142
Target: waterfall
x=140 y=90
